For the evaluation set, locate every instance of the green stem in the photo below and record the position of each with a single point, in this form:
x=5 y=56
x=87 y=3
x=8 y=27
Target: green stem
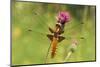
x=68 y=55
x=72 y=50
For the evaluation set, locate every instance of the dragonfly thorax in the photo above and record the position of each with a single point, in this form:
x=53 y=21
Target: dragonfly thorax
x=59 y=28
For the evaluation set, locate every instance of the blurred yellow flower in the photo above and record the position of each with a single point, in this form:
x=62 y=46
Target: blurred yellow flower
x=16 y=32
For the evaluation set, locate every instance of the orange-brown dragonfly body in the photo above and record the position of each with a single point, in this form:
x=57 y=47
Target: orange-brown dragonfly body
x=55 y=38
x=62 y=18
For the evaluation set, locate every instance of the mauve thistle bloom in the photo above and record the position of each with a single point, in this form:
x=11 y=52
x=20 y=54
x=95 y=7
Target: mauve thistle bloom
x=63 y=17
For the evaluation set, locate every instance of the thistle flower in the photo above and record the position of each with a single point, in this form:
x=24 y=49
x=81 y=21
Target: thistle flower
x=63 y=17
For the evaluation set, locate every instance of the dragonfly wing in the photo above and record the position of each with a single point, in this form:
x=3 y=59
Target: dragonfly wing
x=51 y=30
x=50 y=36
x=61 y=38
x=73 y=30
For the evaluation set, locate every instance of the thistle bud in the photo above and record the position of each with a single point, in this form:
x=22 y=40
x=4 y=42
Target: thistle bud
x=74 y=45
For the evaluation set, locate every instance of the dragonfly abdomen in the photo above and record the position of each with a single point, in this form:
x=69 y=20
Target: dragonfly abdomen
x=54 y=46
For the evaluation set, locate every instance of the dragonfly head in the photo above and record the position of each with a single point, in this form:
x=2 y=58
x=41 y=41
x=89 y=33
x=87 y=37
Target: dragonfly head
x=63 y=17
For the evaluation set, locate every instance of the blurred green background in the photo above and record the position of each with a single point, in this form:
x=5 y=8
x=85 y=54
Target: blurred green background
x=30 y=22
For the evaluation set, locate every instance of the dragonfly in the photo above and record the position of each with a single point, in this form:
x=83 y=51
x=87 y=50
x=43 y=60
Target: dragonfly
x=55 y=35
x=62 y=18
